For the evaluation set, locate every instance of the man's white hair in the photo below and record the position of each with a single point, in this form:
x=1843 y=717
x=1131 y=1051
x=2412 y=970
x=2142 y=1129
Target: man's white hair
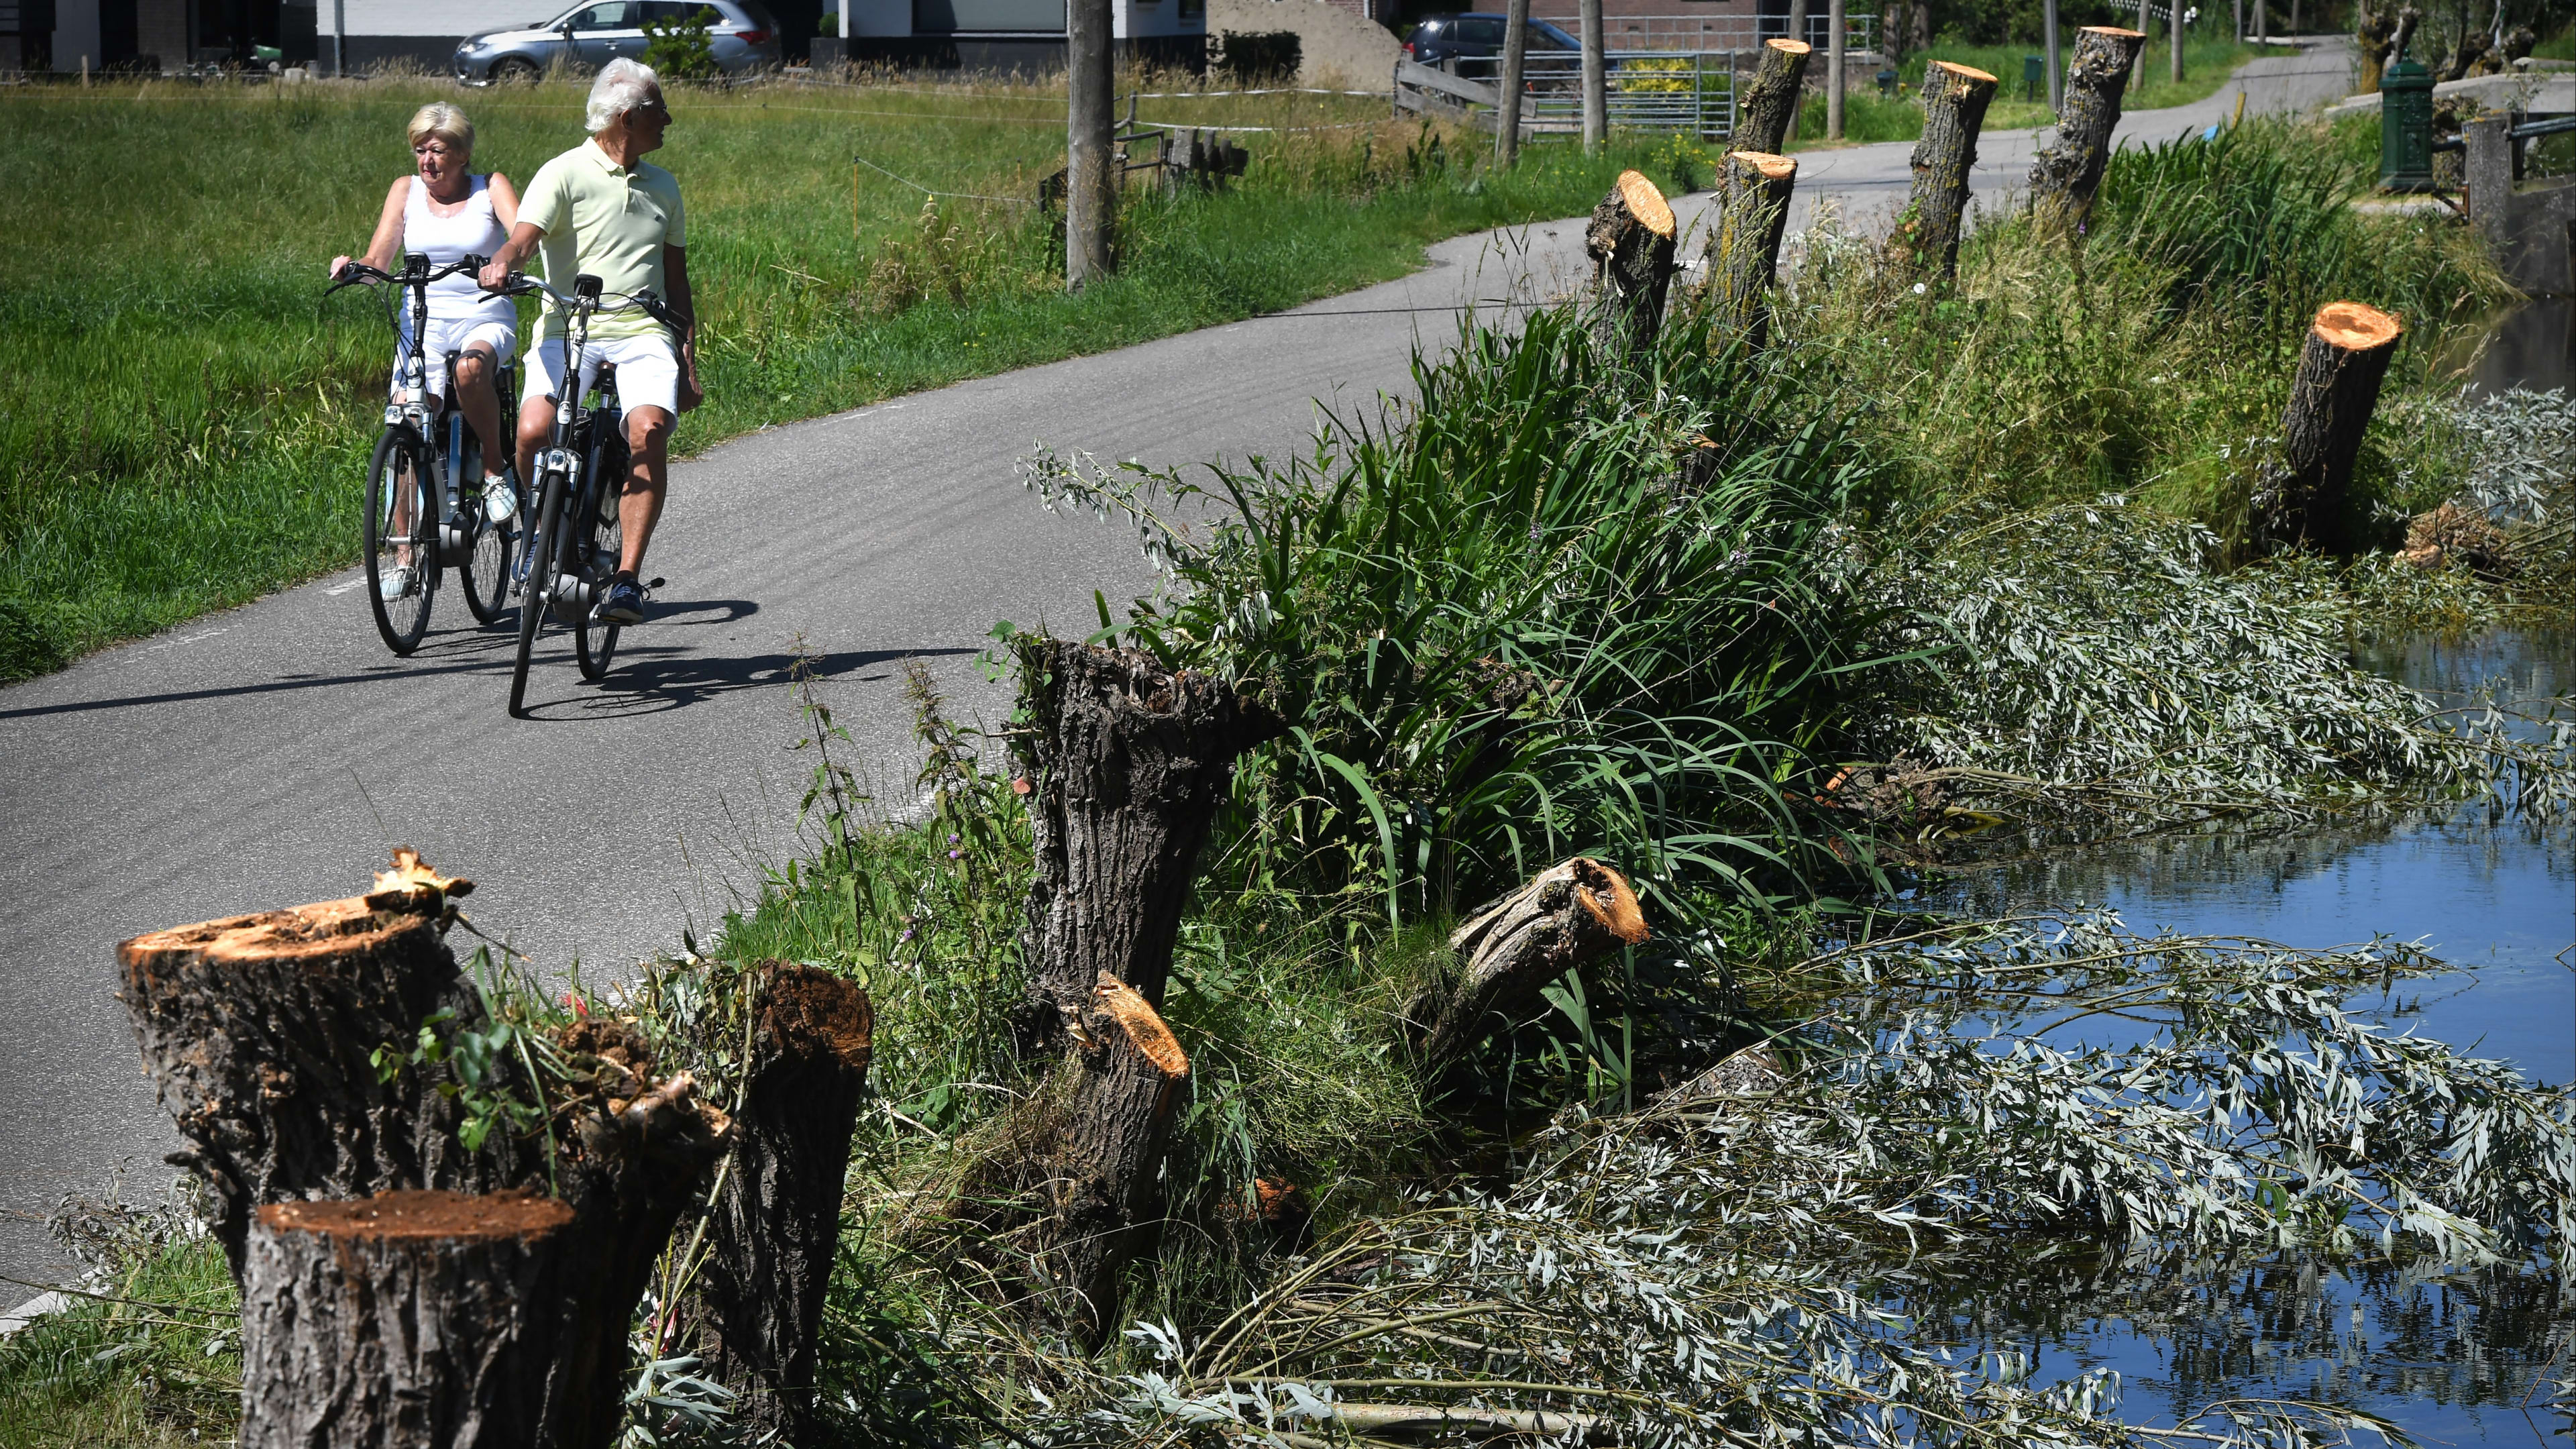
x=622 y=86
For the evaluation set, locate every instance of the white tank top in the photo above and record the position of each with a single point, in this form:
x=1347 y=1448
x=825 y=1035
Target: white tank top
x=472 y=231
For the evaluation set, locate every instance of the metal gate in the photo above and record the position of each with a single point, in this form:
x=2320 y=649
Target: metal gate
x=1692 y=91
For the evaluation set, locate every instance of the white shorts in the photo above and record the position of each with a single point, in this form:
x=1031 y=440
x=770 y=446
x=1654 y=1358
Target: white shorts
x=648 y=369
x=451 y=335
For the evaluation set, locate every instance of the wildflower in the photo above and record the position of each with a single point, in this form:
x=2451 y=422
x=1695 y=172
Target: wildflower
x=1918 y=289
x=573 y=1000
x=955 y=854
x=906 y=936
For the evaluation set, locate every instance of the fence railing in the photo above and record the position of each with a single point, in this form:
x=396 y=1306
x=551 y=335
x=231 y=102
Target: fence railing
x=1649 y=90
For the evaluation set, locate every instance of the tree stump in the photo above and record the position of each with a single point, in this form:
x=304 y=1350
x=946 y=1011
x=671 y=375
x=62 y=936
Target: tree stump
x=1125 y=1074
x=259 y=1029
x=1743 y=257
x=1631 y=241
x=1955 y=98
x=2068 y=170
x=407 y=1320
x=1127 y=766
x=2302 y=499
x=778 y=1219
x=1567 y=915
x=1768 y=114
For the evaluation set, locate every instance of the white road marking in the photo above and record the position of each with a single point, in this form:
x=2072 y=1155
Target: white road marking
x=344 y=588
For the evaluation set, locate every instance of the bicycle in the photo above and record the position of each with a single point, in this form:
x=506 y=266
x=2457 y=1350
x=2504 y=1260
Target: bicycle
x=580 y=475
x=409 y=477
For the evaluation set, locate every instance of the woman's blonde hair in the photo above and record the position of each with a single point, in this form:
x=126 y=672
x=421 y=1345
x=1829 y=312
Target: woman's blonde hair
x=444 y=121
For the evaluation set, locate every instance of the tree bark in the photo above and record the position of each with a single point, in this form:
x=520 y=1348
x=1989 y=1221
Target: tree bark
x=1955 y=98
x=2302 y=499
x=1567 y=915
x=1596 y=77
x=2173 y=31
x=1090 y=179
x=778 y=1218
x=407 y=1320
x=1127 y=766
x=2068 y=170
x=1507 y=112
x=1836 y=44
x=1743 y=256
x=259 y=1029
x=1126 y=1075
x=1630 y=242
x=1769 y=112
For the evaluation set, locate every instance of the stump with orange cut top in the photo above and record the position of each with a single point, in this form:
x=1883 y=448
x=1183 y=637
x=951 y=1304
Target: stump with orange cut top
x=2304 y=497
x=1926 y=238
x=1767 y=115
x=1743 y=257
x=1566 y=915
x=1631 y=242
x=2068 y=170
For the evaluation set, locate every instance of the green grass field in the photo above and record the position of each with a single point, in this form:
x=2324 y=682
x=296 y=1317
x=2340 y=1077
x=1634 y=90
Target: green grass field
x=183 y=420
x=1869 y=116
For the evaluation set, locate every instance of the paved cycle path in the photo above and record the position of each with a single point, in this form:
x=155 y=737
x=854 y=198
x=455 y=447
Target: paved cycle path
x=274 y=754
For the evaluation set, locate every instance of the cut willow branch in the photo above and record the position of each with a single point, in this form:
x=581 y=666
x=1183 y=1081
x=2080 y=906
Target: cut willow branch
x=1768 y=114
x=1743 y=257
x=2068 y=169
x=1630 y=242
x=2304 y=498
x=1127 y=764
x=1926 y=239
x=1567 y=915
x=260 y=1032
x=778 y=1218
x=1126 y=1076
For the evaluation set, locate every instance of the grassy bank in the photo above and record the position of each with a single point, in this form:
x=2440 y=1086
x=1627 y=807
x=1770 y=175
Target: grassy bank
x=182 y=423
x=1870 y=116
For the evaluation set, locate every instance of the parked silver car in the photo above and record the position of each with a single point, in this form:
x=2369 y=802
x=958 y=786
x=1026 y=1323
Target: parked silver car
x=590 y=35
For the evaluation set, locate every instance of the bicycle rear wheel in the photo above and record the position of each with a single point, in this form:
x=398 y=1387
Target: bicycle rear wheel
x=402 y=539
x=595 y=639
x=535 y=595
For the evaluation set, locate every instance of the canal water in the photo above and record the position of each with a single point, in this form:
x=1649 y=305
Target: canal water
x=2448 y=1356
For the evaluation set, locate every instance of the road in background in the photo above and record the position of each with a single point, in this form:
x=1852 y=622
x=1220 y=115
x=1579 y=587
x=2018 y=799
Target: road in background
x=275 y=754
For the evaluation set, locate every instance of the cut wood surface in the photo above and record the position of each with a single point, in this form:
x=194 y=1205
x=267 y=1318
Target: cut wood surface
x=1127 y=1075
x=778 y=1218
x=1566 y=915
x=1630 y=241
x=1768 y=112
x=406 y=1320
x=2068 y=169
x=1955 y=98
x=258 y=1030
x=1743 y=256
x=1127 y=764
x=2303 y=499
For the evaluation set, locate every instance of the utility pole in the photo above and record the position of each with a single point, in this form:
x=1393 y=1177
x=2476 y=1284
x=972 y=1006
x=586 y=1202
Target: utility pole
x=2057 y=62
x=1596 y=79
x=1507 y=116
x=1835 y=26
x=339 y=38
x=1090 y=186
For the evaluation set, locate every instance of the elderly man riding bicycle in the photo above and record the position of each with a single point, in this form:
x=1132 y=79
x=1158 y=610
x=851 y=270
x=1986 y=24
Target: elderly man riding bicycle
x=599 y=210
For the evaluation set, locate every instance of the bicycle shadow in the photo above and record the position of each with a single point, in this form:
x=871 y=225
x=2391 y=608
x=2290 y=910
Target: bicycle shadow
x=648 y=677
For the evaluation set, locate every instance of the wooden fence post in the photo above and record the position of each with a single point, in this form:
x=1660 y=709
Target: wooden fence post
x=1768 y=114
x=1630 y=242
x=1566 y=915
x=2303 y=498
x=1743 y=256
x=2068 y=170
x=1955 y=98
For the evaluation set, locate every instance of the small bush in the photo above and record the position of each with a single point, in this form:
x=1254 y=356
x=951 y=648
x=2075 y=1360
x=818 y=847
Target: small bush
x=681 y=49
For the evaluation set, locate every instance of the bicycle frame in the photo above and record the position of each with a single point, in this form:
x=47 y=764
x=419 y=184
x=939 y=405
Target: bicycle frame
x=414 y=412
x=568 y=588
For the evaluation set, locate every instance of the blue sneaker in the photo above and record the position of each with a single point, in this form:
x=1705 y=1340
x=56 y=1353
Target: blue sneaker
x=624 y=601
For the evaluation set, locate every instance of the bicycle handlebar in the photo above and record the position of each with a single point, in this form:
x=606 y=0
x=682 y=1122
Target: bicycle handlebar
x=359 y=273
x=644 y=301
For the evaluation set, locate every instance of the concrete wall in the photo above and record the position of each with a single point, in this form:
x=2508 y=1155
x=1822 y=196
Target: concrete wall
x=1334 y=43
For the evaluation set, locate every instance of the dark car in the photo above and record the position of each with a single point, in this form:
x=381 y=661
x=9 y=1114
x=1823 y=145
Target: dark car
x=1477 y=37
x=591 y=34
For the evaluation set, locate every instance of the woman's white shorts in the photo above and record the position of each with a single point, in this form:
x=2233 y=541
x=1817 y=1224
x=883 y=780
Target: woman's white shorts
x=648 y=369
x=451 y=336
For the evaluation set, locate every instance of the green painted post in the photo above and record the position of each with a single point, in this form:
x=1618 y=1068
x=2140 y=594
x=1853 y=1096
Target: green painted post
x=2034 y=72
x=2406 y=128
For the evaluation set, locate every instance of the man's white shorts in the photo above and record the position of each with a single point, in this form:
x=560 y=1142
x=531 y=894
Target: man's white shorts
x=454 y=335
x=648 y=369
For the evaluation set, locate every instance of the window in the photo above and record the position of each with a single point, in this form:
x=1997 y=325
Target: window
x=665 y=11
x=1480 y=32
x=607 y=15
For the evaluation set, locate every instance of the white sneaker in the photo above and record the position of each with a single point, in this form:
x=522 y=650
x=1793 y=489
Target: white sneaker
x=395 y=585
x=500 y=500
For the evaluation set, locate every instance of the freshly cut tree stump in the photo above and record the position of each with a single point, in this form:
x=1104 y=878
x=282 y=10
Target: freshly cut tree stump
x=1743 y=257
x=1955 y=98
x=1127 y=765
x=1567 y=915
x=778 y=1217
x=1631 y=241
x=1125 y=1074
x=259 y=1031
x=2302 y=499
x=1769 y=111
x=407 y=1320
x=2068 y=170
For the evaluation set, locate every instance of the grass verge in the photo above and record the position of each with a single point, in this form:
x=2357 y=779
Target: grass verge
x=1869 y=116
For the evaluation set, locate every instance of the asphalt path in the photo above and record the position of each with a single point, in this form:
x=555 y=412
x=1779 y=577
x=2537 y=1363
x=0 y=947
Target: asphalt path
x=275 y=753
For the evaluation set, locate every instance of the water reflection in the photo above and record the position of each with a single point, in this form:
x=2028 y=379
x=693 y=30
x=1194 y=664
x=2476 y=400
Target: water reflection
x=2533 y=346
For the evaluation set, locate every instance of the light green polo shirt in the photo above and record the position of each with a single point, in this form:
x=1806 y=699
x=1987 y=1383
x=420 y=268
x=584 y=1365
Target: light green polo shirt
x=608 y=220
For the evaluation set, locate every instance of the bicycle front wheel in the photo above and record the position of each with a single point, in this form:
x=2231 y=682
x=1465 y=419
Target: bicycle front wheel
x=485 y=572
x=535 y=594
x=402 y=539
